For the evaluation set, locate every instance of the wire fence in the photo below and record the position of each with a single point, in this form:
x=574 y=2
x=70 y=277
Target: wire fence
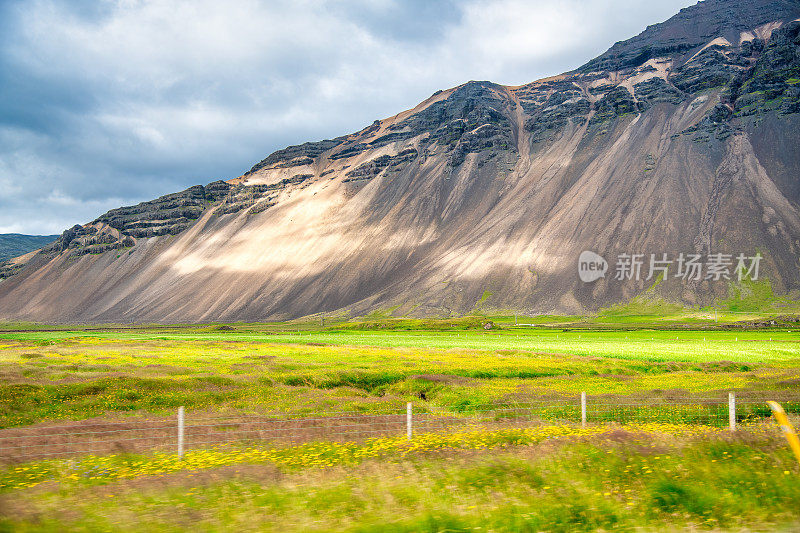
x=180 y=433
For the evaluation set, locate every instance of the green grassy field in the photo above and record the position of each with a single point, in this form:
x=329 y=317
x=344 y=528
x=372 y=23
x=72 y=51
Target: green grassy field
x=492 y=478
x=74 y=374
x=626 y=479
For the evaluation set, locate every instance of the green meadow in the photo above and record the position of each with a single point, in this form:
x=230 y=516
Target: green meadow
x=650 y=473
x=637 y=479
x=303 y=368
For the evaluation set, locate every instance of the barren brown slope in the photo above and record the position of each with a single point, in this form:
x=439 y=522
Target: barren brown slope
x=481 y=189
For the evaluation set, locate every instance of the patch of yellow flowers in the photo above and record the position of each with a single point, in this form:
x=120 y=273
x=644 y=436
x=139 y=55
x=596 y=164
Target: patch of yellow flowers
x=99 y=469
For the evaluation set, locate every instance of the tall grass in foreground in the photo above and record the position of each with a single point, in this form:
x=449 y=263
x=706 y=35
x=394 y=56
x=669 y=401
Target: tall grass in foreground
x=648 y=478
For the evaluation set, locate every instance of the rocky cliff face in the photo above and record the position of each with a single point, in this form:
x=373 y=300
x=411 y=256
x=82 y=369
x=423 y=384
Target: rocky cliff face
x=681 y=140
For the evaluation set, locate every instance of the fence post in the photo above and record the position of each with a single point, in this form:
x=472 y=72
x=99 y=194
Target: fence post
x=583 y=409
x=408 y=420
x=180 y=432
x=732 y=411
x=786 y=427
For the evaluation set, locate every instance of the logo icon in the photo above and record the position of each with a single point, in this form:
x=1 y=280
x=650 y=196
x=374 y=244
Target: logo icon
x=591 y=267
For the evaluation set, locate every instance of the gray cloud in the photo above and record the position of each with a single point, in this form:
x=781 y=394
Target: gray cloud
x=111 y=103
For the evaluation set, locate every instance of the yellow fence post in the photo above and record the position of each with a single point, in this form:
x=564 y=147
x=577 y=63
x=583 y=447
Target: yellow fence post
x=786 y=427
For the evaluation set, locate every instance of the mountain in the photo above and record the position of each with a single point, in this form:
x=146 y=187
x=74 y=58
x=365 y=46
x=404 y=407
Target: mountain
x=681 y=140
x=14 y=244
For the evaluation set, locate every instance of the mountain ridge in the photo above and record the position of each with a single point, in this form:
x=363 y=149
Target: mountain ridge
x=481 y=188
x=16 y=244
x=684 y=31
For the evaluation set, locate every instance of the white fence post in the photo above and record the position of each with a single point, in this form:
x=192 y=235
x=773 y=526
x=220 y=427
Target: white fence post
x=180 y=432
x=408 y=420
x=732 y=411
x=583 y=409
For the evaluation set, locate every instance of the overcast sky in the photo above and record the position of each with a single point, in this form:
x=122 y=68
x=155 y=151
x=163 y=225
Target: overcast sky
x=109 y=103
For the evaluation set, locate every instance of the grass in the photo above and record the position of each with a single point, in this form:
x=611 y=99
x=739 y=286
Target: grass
x=644 y=478
x=667 y=467
x=63 y=374
x=94 y=470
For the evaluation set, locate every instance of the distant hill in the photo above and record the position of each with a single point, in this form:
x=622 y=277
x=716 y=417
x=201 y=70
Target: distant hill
x=14 y=244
